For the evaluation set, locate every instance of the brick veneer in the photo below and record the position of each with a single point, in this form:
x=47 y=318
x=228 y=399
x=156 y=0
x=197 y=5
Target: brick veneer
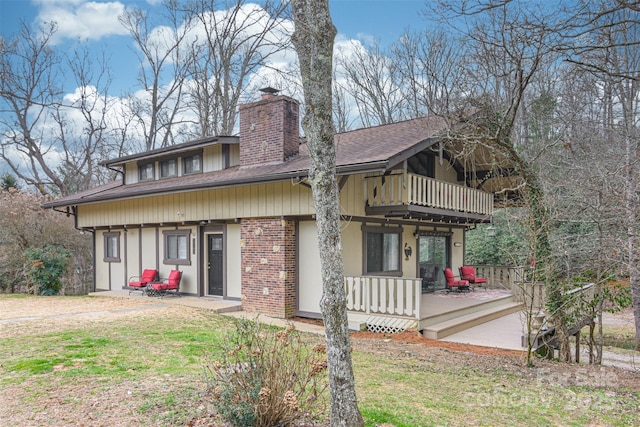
x=269 y=130
x=268 y=261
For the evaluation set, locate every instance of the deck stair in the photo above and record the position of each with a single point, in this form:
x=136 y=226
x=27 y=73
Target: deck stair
x=450 y=322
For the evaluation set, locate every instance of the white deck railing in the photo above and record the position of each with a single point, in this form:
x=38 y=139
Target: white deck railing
x=411 y=189
x=400 y=296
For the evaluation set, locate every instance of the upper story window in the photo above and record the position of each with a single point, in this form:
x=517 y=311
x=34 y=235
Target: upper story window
x=146 y=171
x=168 y=168
x=191 y=164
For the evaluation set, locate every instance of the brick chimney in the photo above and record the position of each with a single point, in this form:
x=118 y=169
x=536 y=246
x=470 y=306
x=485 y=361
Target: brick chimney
x=269 y=129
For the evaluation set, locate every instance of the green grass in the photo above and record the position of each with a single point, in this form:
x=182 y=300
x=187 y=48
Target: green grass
x=160 y=363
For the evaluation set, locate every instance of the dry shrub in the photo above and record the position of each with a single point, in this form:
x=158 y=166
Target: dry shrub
x=24 y=225
x=259 y=376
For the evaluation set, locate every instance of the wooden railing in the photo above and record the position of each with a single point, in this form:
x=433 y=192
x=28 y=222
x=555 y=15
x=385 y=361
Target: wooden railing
x=500 y=276
x=400 y=296
x=411 y=189
x=534 y=297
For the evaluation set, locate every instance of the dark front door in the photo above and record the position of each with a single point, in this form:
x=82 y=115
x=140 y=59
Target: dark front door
x=215 y=265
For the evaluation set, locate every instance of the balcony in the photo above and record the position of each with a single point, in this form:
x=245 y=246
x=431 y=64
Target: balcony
x=410 y=195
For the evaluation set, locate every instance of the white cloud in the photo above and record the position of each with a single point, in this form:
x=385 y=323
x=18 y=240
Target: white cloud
x=82 y=19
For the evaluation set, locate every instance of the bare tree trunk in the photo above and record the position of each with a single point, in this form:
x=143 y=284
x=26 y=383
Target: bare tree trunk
x=313 y=40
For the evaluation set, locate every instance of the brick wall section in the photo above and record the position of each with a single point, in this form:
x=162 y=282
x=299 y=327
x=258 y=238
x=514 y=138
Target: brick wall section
x=268 y=261
x=269 y=130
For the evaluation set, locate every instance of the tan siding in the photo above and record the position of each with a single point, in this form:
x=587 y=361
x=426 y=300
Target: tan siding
x=265 y=200
x=212 y=158
x=352 y=248
x=352 y=196
x=446 y=172
x=131 y=173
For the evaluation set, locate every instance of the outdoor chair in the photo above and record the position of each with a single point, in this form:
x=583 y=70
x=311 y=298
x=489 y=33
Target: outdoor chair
x=452 y=283
x=171 y=285
x=139 y=283
x=468 y=273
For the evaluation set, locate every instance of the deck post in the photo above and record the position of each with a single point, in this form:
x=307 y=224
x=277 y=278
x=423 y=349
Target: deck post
x=417 y=295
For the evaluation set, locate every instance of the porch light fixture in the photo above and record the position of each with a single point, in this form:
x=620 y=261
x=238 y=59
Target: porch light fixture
x=491 y=231
x=457 y=244
x=407 y=251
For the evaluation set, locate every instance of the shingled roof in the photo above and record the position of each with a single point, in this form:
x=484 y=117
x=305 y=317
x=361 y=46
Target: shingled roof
x=364 y=150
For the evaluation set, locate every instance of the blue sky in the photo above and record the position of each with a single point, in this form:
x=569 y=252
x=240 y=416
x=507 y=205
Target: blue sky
x=382 y=19
x=96 y=21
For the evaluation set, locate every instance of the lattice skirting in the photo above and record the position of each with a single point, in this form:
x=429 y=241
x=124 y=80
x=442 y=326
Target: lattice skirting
x=389 y=325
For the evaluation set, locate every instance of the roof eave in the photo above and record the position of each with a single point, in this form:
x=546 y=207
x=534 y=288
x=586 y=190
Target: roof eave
x=340 y=170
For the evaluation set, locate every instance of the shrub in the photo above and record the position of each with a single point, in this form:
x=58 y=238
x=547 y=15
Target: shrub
x=265 y=377
x=23 y=225
x=44 y=267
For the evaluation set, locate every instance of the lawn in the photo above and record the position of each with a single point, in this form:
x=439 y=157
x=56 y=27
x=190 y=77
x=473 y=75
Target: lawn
x=133 y=366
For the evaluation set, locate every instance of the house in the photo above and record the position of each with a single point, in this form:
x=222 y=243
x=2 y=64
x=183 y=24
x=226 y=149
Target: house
x=235 y=214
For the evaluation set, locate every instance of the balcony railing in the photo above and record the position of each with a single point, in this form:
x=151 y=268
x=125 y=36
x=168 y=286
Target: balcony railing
x=411 y=189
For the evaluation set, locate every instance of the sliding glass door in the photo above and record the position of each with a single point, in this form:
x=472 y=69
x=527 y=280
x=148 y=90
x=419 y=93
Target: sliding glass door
x=433 y=259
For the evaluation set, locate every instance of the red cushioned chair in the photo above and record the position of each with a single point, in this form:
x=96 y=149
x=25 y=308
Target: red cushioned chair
x=452 y=283
x=171 y=285
x=468 y=273
x=139 y=283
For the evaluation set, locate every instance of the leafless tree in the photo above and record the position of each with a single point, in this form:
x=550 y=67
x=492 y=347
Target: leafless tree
x=29 y=88
x=372 y=80
x=433 y=68
x=165 y=58
x=506 y=54
x=313 y=39
x=232 y=45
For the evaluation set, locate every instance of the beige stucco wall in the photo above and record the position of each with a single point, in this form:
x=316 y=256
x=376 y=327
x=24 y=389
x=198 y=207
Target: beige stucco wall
x=457 y=253
x=233 y=259
x=309 y=272
x=352 y=247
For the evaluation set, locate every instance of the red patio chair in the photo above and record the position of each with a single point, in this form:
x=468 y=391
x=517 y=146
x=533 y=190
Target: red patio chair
x=139 y=283
x=171 y=285
x=468 y=273
x=452 y=283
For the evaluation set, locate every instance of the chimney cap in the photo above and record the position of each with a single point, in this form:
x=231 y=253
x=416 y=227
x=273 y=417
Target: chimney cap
x=269 y=90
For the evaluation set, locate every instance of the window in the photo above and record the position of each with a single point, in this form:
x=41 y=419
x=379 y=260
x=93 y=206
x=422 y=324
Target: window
x=382 y=250
x=146 y=172
x=112 y=247
x=191 y=164
x=168 y=168
x=177 y=247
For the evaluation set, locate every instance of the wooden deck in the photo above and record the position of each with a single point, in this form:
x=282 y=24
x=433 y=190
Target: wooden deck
x=441 y=314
